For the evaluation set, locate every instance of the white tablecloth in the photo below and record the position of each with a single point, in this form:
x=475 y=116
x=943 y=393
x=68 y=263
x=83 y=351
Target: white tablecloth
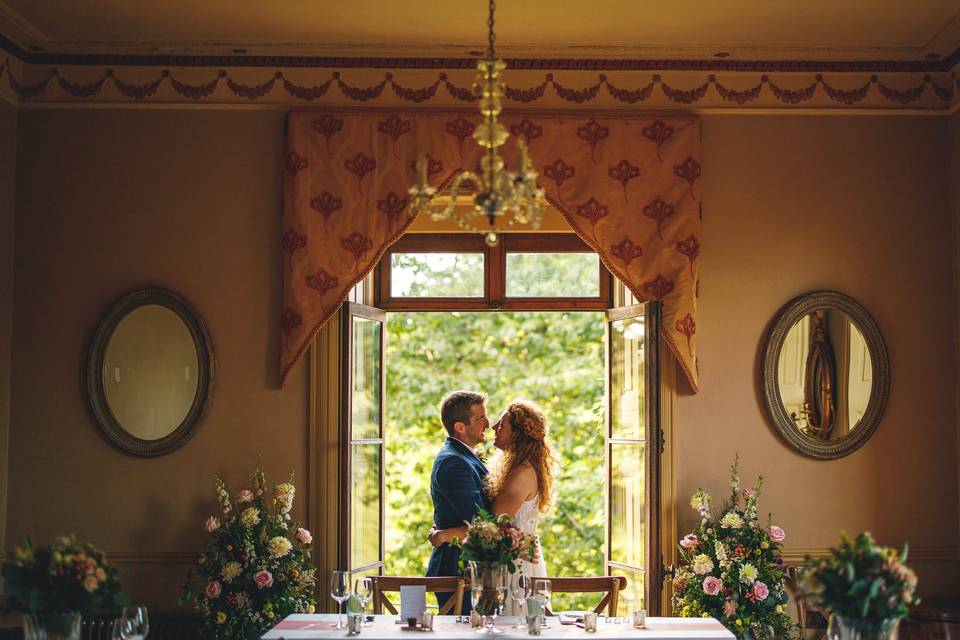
x=301 y=626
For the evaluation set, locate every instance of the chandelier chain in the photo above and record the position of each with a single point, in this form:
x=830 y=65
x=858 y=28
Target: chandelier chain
x=491 y=36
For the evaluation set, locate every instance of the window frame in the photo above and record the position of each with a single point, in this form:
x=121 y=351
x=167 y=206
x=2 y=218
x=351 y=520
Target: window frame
x=494 y=273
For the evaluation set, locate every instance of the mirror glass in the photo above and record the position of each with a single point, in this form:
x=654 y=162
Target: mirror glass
x=825 y=374
x=150 y=372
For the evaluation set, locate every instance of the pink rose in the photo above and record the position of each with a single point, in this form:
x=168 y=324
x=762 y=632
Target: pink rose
x=213 y=589
x=304 y=536
x=245 y=495
x=760 y=590
x=211 y=525
x=712 y=585
x=263 y=579
x=777 y=534
x=690 y=541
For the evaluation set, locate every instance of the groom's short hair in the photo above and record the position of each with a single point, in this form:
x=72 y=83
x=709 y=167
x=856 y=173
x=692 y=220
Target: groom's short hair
x=456 y=407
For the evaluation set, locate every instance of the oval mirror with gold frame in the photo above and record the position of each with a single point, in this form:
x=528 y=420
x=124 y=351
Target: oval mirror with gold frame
x=149 y=372
x=826 y=374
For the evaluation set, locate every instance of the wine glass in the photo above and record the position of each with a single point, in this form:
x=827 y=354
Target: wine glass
x=340 y=591
x=116 y=632
x=134 y=623
x=543 y=592
x=363 y=589
x=519 y=590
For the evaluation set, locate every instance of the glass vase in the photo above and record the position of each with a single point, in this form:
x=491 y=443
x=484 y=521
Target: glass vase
x=488 y=591
x=51 y=626
x=843 y=628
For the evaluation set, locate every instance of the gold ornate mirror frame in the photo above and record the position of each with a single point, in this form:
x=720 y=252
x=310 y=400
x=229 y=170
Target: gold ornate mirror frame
x=112 y=428
x=786 y=318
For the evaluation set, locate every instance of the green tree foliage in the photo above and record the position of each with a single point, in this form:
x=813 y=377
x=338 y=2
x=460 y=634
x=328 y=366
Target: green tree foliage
x=552 y=358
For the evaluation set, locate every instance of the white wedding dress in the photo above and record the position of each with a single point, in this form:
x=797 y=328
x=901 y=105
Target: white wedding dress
x=527 y=519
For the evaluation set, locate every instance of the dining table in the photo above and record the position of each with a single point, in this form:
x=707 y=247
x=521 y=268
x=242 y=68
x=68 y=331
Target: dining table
x=303 y=626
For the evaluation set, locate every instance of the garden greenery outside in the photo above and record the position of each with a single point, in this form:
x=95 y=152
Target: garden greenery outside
x=553 y=358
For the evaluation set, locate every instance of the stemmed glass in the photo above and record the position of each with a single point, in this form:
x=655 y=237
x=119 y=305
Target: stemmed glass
x=543 y=592
x=340 y=591
x=363 y=589
x=519 y=590
x=134 y=623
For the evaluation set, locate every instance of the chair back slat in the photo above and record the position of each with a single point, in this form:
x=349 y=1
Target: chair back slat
x=387 y=584
x=610 y=586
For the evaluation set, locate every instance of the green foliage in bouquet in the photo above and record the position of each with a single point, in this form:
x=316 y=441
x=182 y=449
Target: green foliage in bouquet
x=62 y=576
x=255 y=569
x=495 y=541
x=730 y=568
x=862 y=581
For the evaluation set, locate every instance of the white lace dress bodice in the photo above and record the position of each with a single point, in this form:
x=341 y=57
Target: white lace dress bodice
x=527 y=520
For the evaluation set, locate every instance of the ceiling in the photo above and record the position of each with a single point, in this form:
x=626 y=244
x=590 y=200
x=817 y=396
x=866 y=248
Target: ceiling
x=693 y=29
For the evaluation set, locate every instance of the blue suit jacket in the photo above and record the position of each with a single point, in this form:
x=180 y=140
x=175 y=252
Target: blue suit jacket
x=456 y=486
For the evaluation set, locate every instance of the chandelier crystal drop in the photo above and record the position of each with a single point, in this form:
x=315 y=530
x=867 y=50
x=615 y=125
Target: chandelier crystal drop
x=503 y=198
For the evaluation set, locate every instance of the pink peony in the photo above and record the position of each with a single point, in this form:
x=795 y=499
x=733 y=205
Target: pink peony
x=211 y=525
x=263 y=579
x=213 y=589
x=729 y=608
x=690 y=541
x=760 y=591
x=304 y=536
x=712 y=585
x=777 y=534
x=245 y=495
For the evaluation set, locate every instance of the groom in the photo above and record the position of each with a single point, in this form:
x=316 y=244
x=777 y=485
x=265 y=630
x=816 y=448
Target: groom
x=456 y=482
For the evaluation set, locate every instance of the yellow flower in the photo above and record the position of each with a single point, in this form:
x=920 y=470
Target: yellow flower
x=250 y=517
x=270 y=615
x=779 y=608
x=279 y=546
x=221 y=617
x=311 y=608
x=90 y=583
x=101 y=574
x=230 y=571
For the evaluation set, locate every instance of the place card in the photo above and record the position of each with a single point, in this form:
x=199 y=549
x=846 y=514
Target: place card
x=413 y=601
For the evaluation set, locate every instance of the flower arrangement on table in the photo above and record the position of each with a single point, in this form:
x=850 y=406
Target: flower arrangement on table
x=730 y=568
x=868 y=586
x=255 y=569
x=59 y=577
x=491 y=548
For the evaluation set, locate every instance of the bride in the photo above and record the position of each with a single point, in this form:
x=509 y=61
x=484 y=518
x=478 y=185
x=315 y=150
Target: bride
x=521 y=477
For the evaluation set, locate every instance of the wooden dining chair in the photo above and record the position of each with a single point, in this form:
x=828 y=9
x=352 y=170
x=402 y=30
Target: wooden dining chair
x=387 y=584
x=609 y=586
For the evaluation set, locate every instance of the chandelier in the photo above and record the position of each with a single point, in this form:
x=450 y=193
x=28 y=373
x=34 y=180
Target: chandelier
x=504 y=198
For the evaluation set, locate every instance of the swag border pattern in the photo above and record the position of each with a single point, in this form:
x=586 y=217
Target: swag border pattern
x=627 y=183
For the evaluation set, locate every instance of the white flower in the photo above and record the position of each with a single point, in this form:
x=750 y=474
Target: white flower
x=748 y=573
x=702 y=564
x=250 y=517
x=722 y=555
x=230 y=571
x=279 y=546
x=731 y=520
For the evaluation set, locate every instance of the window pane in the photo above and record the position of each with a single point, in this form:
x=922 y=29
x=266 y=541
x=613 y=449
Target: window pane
x=627 y=531
x=364 y=504
x=631 y=598
x=436 y=275
x=553 y=275
x=366 y=379
x=626 y=378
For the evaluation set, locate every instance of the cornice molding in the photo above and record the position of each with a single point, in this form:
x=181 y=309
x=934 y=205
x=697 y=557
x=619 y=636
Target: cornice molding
x=20 y=30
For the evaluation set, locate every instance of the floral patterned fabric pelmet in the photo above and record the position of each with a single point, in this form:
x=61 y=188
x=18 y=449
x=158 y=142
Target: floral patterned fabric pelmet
x=627 y=184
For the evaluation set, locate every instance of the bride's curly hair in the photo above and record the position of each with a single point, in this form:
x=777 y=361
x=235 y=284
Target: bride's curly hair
x=530 y=445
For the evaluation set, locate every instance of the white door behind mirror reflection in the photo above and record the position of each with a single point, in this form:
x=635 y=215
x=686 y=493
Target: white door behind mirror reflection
x=149 y=372
x=850 y=379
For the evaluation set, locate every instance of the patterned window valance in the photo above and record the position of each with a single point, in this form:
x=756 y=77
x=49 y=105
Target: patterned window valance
x=626 y=183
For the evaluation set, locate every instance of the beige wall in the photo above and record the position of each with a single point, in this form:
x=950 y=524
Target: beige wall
x=111 y=200
x=8 y=156
x=859 y=205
